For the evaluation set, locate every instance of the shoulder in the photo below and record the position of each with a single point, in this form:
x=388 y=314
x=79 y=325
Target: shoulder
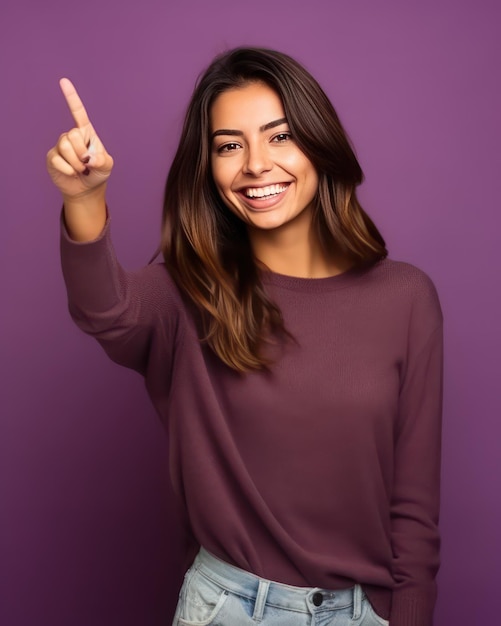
x=155 y=299
x=155 y=274
x=402 y=274
x=403 y=278
x=409 y=288
x=156 y=287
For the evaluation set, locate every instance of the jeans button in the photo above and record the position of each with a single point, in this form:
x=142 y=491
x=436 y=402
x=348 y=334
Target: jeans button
x=317 y=598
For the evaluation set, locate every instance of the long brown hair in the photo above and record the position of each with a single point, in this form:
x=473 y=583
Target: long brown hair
x=206 y=248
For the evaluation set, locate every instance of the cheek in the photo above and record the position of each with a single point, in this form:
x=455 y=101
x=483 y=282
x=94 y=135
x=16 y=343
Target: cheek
x=223 y=187
x=225 y=170
x=314 y=180
x=216 y=176
x=310 y=178
x=302 y=167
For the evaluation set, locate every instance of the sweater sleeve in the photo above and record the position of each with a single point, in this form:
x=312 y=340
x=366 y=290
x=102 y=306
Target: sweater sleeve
x=415 y=498
x=125 y=311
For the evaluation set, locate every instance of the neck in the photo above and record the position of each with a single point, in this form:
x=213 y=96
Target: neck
x=296 y=251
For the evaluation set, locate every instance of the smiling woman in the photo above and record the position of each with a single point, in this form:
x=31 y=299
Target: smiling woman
x=256 y=118
x=264 y=178
x=296 y=368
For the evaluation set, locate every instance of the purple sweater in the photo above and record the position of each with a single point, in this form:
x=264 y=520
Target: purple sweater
x=323 y=472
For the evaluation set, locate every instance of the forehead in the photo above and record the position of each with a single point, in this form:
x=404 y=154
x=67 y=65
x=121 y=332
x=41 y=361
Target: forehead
x=254 y=104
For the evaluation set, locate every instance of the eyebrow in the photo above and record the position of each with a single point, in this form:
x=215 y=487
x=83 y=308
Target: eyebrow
x=239 y=133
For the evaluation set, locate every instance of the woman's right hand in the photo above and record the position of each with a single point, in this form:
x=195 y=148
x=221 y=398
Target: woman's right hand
x=78 y=164
x=79 y=167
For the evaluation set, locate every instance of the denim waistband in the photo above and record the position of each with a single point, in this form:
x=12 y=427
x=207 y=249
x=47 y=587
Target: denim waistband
x=261 y=591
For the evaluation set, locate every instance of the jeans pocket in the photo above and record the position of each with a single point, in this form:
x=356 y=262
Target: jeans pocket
x=201 y=600
x=370 y=617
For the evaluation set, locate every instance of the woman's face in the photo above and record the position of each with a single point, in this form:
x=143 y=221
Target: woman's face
x=259 y=171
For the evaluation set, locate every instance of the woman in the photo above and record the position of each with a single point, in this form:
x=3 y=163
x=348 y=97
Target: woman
x=297 y=369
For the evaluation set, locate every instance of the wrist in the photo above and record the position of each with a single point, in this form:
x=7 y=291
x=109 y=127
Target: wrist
x=88 y=198
x=85 y=214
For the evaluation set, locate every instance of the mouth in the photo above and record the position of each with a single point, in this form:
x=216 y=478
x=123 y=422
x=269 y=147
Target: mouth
x=264 y=193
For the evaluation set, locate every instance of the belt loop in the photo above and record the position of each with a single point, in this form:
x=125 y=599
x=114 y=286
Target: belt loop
x=262 y=594
x=357 y=601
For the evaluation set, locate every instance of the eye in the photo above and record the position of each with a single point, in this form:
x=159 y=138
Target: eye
x=228 y=147
x=282 y=138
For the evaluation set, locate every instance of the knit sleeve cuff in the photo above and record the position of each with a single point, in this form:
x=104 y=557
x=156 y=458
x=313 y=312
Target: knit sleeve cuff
x=412 y=608
x=93 y=276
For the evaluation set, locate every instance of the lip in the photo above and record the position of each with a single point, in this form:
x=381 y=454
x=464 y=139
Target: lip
x=259 y=204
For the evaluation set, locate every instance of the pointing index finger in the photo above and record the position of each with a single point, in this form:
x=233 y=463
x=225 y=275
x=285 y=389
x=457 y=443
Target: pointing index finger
x=74 y=103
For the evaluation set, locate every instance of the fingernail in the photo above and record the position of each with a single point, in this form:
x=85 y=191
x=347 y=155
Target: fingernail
x=86 y=160
x=86 y=171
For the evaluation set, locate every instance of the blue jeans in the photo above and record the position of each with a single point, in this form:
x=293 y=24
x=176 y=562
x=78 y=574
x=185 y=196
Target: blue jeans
x=217 y=594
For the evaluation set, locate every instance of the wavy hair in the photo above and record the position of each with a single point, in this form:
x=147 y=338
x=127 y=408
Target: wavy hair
x=206 y=247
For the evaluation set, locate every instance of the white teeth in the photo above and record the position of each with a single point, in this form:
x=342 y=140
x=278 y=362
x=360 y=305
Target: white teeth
x=264 y=192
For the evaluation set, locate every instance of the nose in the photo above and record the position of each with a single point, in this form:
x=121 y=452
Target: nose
x=257 y=159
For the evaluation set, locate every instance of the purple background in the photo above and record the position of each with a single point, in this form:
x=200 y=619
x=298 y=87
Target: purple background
x=88 y=531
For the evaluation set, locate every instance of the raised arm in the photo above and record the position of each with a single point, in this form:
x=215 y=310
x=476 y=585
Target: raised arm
x=80 y=166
